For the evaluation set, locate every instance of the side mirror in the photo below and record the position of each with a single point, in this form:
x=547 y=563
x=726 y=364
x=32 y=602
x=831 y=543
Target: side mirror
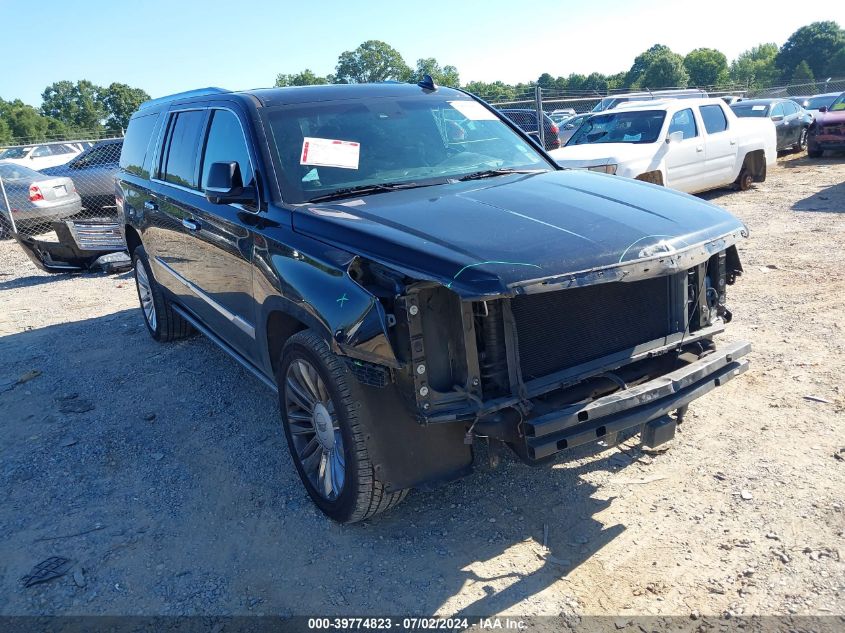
x=675 y=137
x=777 y=117
x=823 y=109
x=225 y=185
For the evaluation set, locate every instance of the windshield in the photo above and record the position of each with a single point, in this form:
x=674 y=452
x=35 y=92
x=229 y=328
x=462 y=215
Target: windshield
x=325 y=147
x=749 y=109
x=814 y=103
x=15 y=152
x=620 y=127
x=839 y=104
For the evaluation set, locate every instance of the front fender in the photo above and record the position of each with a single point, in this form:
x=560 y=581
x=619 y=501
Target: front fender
x=319 y=293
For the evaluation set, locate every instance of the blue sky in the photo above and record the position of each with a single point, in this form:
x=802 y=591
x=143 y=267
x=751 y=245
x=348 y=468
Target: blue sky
x=166 y=46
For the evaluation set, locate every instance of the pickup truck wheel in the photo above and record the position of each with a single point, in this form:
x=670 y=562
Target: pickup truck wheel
x=744 y=180
x=163 y=323
x=325 y=422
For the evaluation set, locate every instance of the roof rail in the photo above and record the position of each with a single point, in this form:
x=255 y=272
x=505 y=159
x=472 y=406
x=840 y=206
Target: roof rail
x=199 y=92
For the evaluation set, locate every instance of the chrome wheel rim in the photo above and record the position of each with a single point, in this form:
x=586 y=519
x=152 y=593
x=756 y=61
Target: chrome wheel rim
x=145 y=294
x=802 y=143
x=314 y=428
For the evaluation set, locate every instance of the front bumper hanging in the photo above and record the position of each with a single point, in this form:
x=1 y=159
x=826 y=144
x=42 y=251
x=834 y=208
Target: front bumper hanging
x=585 y=422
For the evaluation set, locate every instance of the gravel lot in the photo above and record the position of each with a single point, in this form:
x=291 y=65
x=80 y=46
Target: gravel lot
x=163 y=472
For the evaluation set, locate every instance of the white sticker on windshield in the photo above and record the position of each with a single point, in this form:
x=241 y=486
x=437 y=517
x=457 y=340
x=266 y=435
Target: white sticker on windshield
x=758 y=107
x=473 y=110
x=327 y=152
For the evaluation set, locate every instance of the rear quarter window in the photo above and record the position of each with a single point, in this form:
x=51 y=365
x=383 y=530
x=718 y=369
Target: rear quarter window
x=136 y=143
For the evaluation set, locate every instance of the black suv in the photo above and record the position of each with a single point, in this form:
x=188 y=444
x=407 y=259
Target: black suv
x=410 y=272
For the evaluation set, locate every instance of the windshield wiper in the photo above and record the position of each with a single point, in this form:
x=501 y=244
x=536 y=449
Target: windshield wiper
x=490 y=173
x=345 y=192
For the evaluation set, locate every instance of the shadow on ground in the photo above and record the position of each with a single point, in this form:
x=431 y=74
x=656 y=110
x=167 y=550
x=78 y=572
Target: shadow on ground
x=829 y=200
x=163 y=472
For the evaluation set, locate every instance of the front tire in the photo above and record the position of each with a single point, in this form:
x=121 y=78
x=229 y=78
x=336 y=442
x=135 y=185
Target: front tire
x=163 y=323
x=802 y=141
x=325 y=418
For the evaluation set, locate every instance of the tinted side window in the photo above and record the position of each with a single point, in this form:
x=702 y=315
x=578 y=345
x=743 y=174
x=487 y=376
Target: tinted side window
x=41 y=151
x=714 y=119
x=684 y=121
x=179 y=162
x=135 y=144
x=790 y=108
x=226 y=143
x=102 y=155
x=777 y=110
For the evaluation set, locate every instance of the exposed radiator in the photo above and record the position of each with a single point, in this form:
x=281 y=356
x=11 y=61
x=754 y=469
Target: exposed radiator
x=564 y=328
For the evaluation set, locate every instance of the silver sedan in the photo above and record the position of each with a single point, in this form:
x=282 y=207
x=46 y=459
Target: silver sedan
x=34 y=199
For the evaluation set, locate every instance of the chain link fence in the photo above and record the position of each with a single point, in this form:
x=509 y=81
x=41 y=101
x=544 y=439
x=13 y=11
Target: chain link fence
x=562 y=111
x=57 y=200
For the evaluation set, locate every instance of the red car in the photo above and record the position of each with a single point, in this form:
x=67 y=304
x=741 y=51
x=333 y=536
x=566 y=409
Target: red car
x=828 y=130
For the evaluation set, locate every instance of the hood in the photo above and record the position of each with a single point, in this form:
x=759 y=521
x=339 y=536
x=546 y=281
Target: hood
x=830 y=118
x=589 y=154
x=489 y=237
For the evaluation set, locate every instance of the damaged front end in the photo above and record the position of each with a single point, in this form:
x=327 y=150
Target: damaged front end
x=563 y=360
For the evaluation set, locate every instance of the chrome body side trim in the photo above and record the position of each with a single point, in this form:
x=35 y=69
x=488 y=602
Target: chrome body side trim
x=238 y=321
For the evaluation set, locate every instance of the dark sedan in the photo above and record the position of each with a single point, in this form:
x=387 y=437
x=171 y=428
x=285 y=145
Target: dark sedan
x=93 y=173
x=526 y=120
x=828 y=130
x=792 y=122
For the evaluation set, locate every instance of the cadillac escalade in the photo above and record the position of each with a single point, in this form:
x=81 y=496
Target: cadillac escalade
x=411 y=272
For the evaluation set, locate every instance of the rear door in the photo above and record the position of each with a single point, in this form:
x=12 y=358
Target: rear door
x=685 y=160
x=720 y=146
x=793 y=123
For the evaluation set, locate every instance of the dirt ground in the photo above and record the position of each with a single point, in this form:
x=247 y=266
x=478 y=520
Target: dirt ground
x=163 y=472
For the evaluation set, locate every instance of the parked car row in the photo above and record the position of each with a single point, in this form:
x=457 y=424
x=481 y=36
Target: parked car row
x=650 y=139
x=37 y=197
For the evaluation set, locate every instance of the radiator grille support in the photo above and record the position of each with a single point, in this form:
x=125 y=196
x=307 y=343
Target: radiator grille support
x=560 y=329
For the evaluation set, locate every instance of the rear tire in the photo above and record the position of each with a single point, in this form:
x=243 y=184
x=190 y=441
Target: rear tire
x=163 y=323
x=334 y=464
x=744 y=180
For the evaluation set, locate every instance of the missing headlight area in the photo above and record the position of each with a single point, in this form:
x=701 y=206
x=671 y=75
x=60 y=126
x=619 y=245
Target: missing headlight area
x=545 y=371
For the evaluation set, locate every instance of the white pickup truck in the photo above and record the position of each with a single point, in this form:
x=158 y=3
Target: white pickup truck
x=687 y=144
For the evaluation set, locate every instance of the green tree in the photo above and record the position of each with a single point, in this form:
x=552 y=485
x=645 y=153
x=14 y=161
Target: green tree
x=756 y=67
x=303 y=78
x=665 y=70
x=79 y=106
x=26 y=124
x=120 y=103
x=372 y=61
x=491 y=91
x=802 y=79
x=546 y=81
x=815 y=43
x=836 y=65
x=706 y=67
x=5 y=131
x=442 y=76
x=641 y=64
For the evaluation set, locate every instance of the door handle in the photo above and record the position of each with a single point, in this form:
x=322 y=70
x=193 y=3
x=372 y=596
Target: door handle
x=733 y=141
x=699 y=149
x=191 y=225
x=149 y=205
